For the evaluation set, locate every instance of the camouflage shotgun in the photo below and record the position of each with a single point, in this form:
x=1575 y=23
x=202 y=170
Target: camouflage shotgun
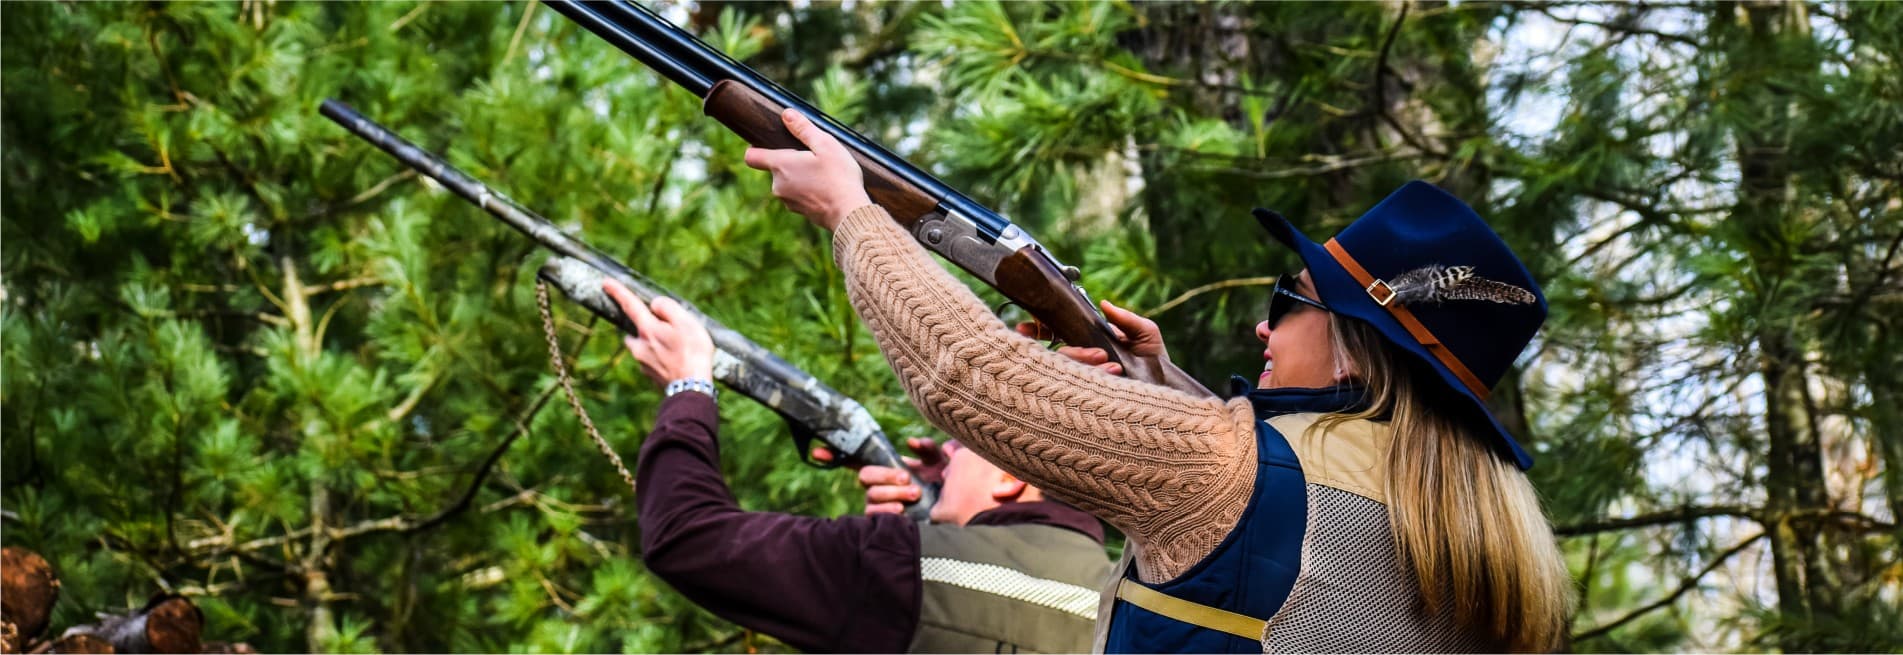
x=811 y=409
x=944 y=221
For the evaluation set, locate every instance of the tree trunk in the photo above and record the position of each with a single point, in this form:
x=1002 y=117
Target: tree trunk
x=1796 y=491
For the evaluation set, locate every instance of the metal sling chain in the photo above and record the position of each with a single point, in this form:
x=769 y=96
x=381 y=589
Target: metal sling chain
x=568 y=384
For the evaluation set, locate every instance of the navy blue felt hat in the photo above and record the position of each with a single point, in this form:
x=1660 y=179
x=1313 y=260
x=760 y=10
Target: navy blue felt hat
x=1426 y=271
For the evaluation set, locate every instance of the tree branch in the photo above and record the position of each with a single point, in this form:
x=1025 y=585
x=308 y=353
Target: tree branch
x=222 y=544
x=1680 y=515
x=1333 y=164
x=342 y=285
x=1690 y=582
x=1381 y=70
x=1213 y=286
x=1627 y=23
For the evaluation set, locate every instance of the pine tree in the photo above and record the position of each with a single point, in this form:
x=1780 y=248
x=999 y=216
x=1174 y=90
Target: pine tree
x=252 y=360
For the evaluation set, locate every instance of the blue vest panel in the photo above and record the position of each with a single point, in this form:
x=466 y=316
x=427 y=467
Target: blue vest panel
x=1255 y=566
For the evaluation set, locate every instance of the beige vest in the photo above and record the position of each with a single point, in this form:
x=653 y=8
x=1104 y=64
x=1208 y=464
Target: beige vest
x=1008 y=589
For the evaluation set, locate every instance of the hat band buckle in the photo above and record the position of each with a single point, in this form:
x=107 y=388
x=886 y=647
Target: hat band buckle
x=1380 y=299
x=1406 y=318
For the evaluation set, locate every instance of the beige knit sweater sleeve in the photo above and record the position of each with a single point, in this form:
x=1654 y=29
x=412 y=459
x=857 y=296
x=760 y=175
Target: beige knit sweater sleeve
x=1172 y=471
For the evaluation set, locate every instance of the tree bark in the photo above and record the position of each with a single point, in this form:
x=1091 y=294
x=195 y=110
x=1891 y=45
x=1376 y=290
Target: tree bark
x=1808 y=587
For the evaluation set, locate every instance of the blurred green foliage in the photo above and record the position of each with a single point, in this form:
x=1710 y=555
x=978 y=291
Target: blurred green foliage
x=248 y=358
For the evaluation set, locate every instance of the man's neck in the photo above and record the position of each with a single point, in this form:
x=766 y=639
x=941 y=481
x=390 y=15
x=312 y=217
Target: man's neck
x=1042 y=512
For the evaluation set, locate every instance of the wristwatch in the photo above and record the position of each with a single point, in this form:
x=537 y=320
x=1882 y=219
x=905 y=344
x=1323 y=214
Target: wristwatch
x=702 y=385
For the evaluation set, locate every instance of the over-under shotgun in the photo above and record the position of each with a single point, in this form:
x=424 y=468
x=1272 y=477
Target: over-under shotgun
x=943 y=220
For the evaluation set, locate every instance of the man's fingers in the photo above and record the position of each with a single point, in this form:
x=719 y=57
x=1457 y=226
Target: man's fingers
x=816 y=140
x=884 y=508
x=875 y=476
x=622 y=297
x=821 y=454
x=925 y=448
x=636 y=310
x=643 y=351
x=891 y=493
x=674 y=313
x=1112 y=368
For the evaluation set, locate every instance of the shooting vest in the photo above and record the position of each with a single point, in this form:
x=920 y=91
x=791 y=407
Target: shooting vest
x=1024 y=588
x=1310 y=566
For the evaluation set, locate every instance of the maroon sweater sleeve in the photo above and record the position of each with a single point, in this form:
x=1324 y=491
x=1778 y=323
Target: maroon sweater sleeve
x=848 y=584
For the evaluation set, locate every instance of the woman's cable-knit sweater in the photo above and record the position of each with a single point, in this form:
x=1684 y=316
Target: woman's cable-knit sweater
x=1172 y=471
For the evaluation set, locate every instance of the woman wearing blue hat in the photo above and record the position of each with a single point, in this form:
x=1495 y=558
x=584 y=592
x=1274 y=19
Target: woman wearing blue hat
x=1359 y=498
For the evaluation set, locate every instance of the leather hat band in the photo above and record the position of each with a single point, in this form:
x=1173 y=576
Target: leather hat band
x=1382 y=295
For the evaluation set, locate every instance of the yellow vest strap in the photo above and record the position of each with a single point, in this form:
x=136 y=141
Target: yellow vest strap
x=1192 y=613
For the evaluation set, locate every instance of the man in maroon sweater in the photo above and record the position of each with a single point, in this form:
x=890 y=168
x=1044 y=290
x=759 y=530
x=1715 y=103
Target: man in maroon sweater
x=999 y=568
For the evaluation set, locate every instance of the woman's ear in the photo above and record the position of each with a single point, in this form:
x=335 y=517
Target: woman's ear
x=1008 y=488
x=1344 y=365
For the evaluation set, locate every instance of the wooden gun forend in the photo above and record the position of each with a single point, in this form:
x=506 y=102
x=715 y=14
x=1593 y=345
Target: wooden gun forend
x=757 y=119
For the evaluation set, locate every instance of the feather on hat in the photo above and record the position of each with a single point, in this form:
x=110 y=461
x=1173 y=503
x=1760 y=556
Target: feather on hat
x=1436 y=283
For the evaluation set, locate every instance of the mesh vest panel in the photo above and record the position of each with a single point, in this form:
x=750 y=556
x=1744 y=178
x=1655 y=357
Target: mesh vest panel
x=1354 y=593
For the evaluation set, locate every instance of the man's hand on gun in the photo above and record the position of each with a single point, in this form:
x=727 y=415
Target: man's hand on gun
x=889 y=489
x=672 y=345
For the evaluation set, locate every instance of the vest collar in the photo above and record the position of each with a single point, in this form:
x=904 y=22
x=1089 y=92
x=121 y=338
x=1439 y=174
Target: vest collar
x=1341 y=398
x=1043 y=512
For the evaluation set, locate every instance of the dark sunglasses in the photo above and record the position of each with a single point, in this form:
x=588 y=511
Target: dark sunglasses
x=1283 y=300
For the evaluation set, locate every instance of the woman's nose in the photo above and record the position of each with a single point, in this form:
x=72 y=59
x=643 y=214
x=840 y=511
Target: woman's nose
x=1262 y=331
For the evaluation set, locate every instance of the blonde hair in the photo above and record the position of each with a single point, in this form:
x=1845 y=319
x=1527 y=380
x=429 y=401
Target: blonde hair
x=1465 y=518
